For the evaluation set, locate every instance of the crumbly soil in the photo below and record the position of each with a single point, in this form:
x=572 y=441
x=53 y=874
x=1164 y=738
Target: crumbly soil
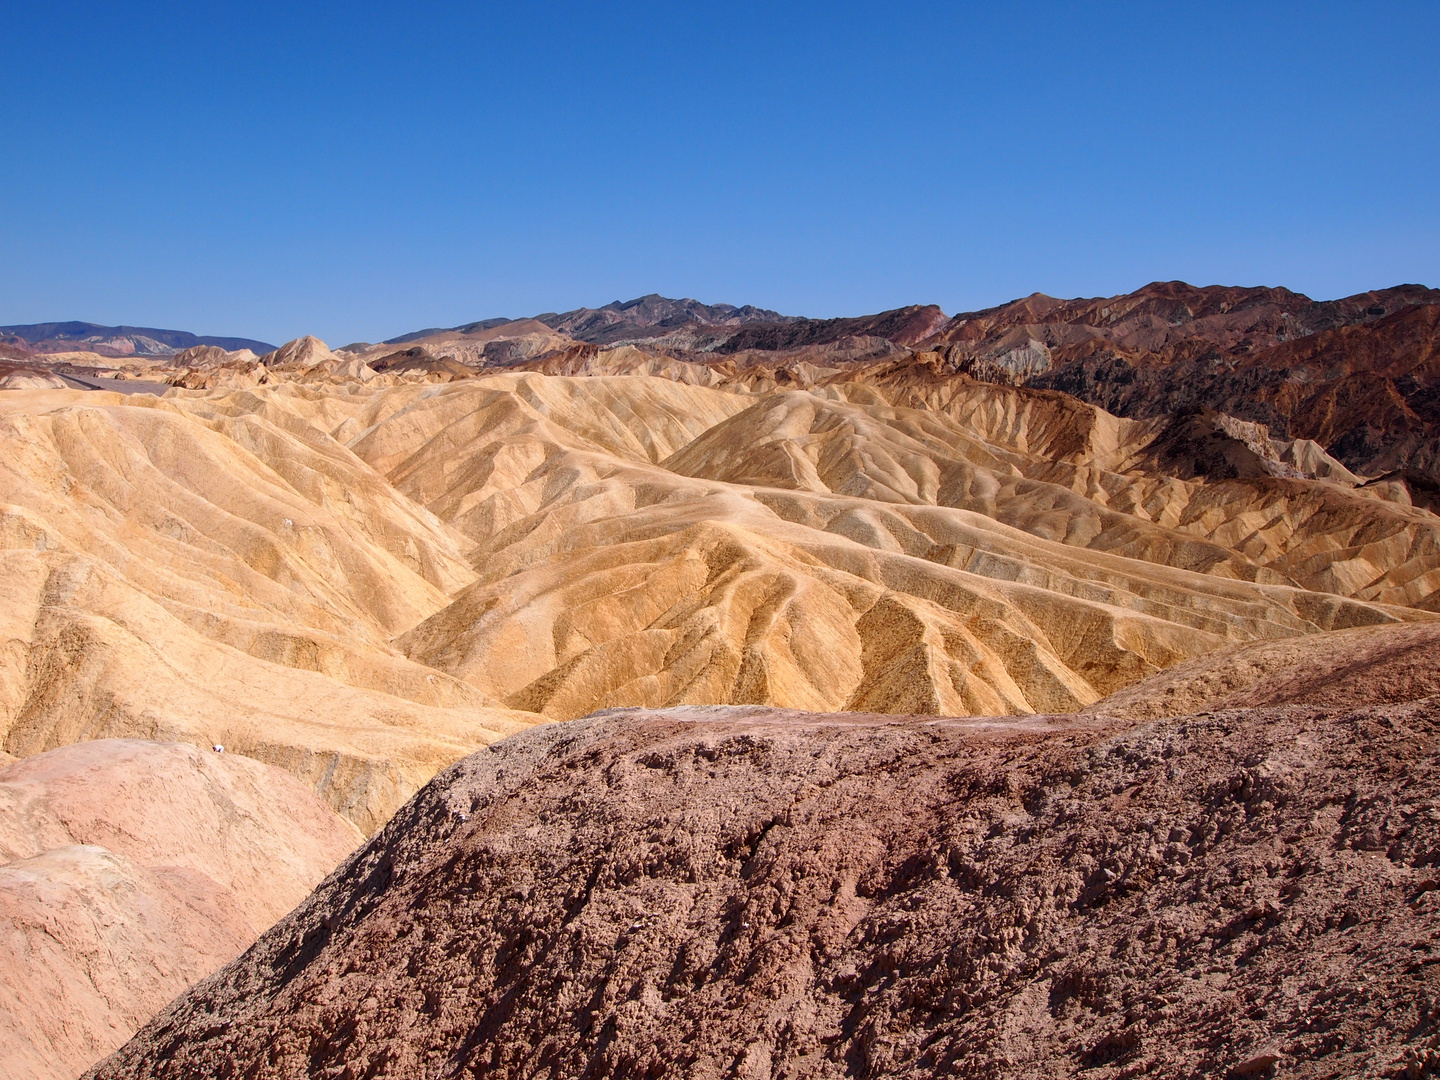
x=747 y=893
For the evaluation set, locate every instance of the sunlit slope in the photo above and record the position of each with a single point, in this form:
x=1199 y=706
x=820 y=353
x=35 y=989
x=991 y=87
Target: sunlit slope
x=362 y=581
x=223 y=572
x=804 y=550
x=1323 y=536
x=129 y=870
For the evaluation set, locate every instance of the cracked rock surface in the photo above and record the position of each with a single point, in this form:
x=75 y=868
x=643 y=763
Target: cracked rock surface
x=749 y=892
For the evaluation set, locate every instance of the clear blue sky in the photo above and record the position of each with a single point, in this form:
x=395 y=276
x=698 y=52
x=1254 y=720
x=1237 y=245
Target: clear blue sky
x=360 y=170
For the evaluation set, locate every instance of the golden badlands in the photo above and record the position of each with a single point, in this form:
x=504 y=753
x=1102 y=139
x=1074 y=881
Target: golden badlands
x=361 y=581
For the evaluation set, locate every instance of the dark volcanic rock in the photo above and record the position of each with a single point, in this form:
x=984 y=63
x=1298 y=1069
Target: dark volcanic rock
x=419 y=359
x=1420 y=489
x=651 y=316
x=754 y=893
x=1166 y=316
x=1205 y=443
x=903 y=326
x=1360 y=376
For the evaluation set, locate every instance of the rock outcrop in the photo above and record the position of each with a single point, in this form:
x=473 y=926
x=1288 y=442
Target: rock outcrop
x=1358 y=376
x=744 y=892
x=22 y=377
x=1344 y=668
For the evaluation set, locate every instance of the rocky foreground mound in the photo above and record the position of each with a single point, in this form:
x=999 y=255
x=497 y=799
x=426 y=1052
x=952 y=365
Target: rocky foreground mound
x=127 y=871
x=751 y=892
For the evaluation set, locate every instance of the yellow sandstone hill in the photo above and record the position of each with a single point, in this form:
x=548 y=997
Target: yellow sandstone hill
x=361 y=577
x=223 y=571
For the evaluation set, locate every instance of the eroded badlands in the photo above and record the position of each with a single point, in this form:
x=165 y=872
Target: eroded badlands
x=361 y=583
x=253 y=604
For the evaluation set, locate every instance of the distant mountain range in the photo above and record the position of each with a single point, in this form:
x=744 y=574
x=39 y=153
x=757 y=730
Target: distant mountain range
x=1359 y=375
x=645 y=317
x=116 y=340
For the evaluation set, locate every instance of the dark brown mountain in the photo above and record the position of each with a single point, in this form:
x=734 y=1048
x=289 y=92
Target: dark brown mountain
x=1164 y=317
x=904 y=326
x=1360 y=375
x=652 y=316
x=418 y=359
x=643 y=318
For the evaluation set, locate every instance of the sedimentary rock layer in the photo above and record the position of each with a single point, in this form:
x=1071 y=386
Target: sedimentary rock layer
x=361 y=581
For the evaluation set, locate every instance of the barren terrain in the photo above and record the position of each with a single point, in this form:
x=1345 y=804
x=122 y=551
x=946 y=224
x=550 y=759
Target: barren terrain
x=360 y=566
x=376 y=577
x=748 y=892
x=129 y=869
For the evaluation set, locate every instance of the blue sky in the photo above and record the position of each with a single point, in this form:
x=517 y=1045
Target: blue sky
x=360 y=170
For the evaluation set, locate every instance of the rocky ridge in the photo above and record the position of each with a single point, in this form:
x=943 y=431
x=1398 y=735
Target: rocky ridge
x=114 y=341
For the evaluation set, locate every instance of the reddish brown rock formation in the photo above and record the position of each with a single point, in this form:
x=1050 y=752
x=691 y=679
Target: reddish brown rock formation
x=753 y=893
x=1360 y=376
x=1165 y=317
x=418 y=358
x=1346 y=668
x=652 y=316
x=903 y=326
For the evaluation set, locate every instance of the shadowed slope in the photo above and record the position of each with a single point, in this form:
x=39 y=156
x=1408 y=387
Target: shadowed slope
x=1357 y=375
x=1364 y=666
